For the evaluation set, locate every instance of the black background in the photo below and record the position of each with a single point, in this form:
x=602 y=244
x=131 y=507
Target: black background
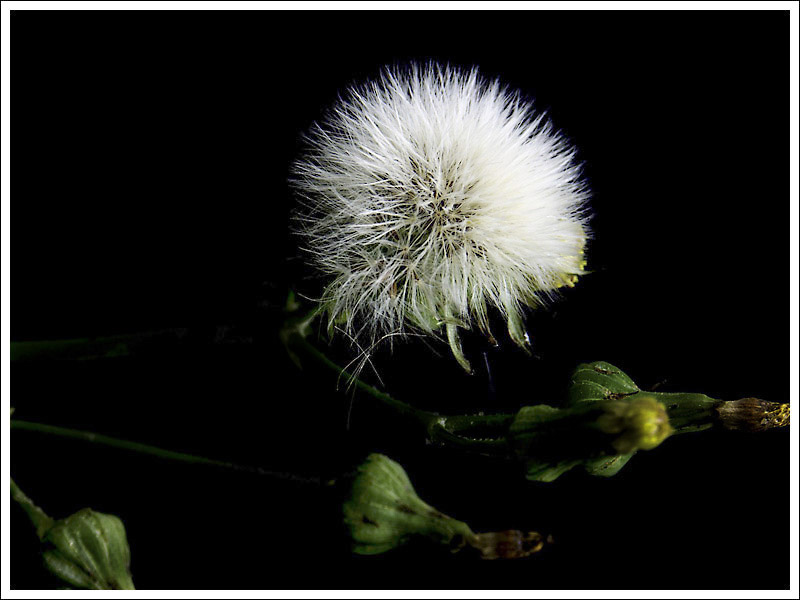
x=150 y=159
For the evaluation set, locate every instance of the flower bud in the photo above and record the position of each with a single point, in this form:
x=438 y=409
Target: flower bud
x=642 y=423
x=89 y=550
x=603 y=402
x=384 y=511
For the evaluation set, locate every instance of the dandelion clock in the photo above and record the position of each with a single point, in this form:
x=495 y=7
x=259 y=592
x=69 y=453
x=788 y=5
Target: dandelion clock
x=431 y=197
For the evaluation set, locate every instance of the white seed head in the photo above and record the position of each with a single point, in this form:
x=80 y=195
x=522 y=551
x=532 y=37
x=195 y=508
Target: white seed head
x=429 y=196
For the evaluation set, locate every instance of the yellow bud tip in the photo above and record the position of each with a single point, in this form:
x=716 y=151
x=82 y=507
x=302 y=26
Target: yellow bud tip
x=643 y=424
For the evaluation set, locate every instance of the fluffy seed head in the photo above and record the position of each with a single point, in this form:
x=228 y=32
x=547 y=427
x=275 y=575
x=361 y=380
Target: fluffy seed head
x=430 y=195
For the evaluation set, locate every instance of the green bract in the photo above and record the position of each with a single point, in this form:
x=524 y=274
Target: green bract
x=90 y=551
x=384 y=511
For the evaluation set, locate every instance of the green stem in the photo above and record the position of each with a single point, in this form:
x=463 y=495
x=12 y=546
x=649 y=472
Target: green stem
x=104 y=440
x=480 y=425
x=493 y=446
x=38 y=517
x=451 y=431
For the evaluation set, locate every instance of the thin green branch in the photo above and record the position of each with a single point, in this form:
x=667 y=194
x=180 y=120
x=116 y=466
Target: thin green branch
x=104 y=440
x=114 y=346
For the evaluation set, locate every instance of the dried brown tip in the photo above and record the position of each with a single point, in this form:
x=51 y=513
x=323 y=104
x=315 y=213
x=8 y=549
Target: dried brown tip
x=506 y=544
x=752 y=414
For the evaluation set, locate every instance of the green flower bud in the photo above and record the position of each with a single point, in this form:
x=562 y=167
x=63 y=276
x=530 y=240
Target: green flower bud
x=642 y=423
x=90 y=551
x=603 y=401
x=384 y=511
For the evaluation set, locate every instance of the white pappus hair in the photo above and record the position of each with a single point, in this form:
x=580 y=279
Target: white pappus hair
x=430 y=195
